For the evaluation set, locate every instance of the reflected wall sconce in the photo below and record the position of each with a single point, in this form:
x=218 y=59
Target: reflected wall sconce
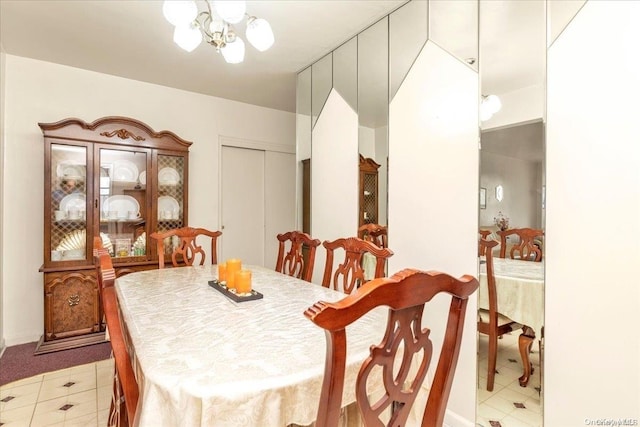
x=499 y=193
x=214 y=25
x=489 y=105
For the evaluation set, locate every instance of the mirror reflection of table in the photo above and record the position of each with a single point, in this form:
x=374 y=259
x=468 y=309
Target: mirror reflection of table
x=520 y=291
x=202 y=359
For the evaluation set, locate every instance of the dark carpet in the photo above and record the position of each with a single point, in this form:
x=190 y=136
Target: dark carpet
x=18 y=362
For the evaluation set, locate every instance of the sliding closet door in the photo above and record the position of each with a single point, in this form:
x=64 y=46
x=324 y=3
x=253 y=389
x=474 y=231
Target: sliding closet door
x=243 y=218
x=258 y=202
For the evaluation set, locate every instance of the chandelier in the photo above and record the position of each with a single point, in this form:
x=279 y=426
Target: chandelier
x=214 y=25
x=489 y=105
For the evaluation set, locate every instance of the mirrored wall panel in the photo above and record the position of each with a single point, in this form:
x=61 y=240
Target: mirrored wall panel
x=321 y=84
x=511 y=211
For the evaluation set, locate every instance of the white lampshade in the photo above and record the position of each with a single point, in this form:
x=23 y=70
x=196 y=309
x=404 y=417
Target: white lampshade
x=187 y=37
x=493 y=103
x=234 y=52
x=485 y=114
x=230 y=11
x=180 y=12
x=259 y=34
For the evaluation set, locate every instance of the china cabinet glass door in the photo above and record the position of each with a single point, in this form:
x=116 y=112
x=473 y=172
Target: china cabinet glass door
x=68 y=222
x=171 y=188
x=122 y=202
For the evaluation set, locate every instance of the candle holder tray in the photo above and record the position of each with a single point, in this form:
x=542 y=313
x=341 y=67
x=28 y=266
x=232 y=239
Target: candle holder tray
x=220 y=287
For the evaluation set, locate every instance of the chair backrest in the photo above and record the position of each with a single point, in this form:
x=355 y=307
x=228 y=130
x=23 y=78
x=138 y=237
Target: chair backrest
x=406 y=294
x=295 y=262
x=102 y=262
x=483 y=235
x=124 y=370
x=187 y=250
x=492 y=294
x=526 y=249
x=374 y=233
x=349 y=275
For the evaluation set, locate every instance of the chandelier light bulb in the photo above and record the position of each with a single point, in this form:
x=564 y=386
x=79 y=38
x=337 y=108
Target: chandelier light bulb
x=180 y=12
x=216 y=26
x=188 y=37
x=259 y=33
x=233 y=52
x=230 y=11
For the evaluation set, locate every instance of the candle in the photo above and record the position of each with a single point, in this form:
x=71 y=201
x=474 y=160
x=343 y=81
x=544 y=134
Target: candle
x=243 y=282
x=233 y=266
x=222 y=272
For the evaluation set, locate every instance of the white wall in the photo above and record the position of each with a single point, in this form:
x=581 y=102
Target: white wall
x=37 y=91
x=334 y=176
x=520 y=180
x=592 y=357
x=433 y=184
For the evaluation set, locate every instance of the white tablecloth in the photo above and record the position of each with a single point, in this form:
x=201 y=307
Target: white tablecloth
x=204 y=360
x=520 y=289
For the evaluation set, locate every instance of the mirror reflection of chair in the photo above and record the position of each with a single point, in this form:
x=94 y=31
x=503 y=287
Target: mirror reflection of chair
x=529 y=246
x=298 y=261
x=187 y=251
x=374 y=233
x=350 y=274
x=491 y=322
x=484 y=235
x=406 y=294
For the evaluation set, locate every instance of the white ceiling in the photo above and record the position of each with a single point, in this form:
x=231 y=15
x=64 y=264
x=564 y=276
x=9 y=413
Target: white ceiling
x=132 y=39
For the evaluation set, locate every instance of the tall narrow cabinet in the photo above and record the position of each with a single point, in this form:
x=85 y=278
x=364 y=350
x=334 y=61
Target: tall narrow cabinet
x=368 y=212
x=115 y=178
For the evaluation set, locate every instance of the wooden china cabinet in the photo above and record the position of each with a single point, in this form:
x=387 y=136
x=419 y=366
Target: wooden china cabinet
x=115 y=178
x=368 y=212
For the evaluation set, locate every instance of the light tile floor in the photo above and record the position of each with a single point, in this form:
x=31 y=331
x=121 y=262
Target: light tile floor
x=79 y=396
x=501 y=407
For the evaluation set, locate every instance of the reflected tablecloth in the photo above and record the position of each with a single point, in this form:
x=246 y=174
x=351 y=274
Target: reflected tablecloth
x=520 y=289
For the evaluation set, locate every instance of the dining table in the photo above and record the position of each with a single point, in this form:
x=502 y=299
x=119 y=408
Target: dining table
x=202 y=359
x=520 y=294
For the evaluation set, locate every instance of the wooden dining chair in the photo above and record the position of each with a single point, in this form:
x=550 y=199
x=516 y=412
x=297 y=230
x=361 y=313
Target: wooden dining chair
x=187 y=251
x=406 y=294
x=349 y=275
x=529 y=246
x=124 y=407
x=484 y=234
x=298 y=261
x=491 y=322
x=374 y=233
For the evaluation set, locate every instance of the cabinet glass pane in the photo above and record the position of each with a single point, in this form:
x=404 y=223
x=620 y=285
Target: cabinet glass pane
x=122 y=198
x=69 y=202
x=171 y=173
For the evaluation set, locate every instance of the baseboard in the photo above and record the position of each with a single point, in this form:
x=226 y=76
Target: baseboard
x=452 y=419
x=68 y=343
x=24 y=339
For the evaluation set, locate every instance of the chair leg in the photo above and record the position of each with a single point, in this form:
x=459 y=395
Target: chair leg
x=493 y=357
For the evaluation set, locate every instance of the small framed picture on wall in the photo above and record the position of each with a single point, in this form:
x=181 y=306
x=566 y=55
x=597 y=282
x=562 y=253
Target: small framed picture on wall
x=483 y=198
